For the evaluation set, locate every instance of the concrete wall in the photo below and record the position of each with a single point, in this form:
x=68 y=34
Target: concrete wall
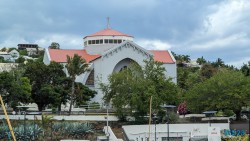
x=185 y=131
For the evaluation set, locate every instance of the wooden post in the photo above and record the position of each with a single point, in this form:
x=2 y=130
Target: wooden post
x=149 y=122
x=7 y=118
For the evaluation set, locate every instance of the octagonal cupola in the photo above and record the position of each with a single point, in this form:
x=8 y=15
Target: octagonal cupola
x=102 y=40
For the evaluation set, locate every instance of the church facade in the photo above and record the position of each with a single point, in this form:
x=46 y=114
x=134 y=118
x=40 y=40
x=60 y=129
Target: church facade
x=109 y=51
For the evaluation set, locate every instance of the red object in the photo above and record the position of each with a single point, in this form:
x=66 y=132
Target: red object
x=108 y=32
x=60 y=55
x=162 y=56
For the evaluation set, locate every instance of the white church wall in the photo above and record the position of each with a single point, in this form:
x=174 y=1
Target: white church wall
x=46 y=58
x=106 y=65
x=98 y=49
x=171 y=71
x=110 y=61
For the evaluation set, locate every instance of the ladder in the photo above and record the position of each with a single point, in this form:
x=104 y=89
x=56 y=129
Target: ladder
x=8 y=120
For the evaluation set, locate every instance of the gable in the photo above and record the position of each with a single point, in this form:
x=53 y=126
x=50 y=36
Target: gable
x=127 y=44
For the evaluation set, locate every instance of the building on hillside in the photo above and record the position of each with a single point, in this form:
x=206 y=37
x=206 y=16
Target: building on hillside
x=14 y=54
x=109 y=51
x=10 y=56
x=25 y=46
x=32 y=49
x=5 y=55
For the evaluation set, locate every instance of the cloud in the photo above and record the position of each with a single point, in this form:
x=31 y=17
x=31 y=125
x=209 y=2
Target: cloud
x=153 y=44
x=224 y=42
x=210 y=28
x=65 y=41
x=227 y=24
x=239 y=63
x=224 y=33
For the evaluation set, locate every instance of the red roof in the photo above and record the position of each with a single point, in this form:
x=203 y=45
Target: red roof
x=108 y=32
x=162 y=56
x=60 y=55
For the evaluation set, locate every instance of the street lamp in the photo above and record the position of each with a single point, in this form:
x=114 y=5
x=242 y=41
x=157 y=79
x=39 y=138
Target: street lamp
x=166 y=107
x=155 y=119
x=248 y=116
x=209 y=114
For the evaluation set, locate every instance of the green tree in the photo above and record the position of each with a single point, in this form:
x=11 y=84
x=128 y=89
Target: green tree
x=2 y=59
x=207 y=71
x=218 y=63
x=75 y=66
x=46 y=83
x=15 y=89
x=4 y=49
x=23 y=52
x=187 y=77
x=227 y=90
x=245 y=69
x=201 y=61
x=20 y=60
x=54 y=45
x=130 y=90
x=82 y=94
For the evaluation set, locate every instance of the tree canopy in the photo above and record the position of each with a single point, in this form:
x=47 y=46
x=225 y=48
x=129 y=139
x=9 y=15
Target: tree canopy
x=54 y=45
x=15 y=89
x=75 y=66
x=130 y=90
x=44 y=80
x=227 y=89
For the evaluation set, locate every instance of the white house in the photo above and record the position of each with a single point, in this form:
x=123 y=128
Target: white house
x=14 y=54
x=5 y=55
x=10 y=56
x=109 y=51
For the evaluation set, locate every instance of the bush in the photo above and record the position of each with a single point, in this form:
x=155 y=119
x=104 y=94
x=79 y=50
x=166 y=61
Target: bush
x=228 y=113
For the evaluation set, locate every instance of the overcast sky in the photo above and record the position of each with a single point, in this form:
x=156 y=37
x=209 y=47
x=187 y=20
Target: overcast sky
x=209 y=28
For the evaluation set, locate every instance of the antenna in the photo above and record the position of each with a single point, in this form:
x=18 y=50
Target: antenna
x=107 y=22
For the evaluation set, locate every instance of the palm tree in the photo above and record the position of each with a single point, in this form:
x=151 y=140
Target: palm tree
x=75 y=66
x=245 y=69
x=201 y=61
x=218 y=63
x=186 y=58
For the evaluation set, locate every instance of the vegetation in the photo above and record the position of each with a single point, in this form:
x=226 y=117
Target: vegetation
x=54 y=130
x=219 y=92
x=214 y=86
x=75 y=66
x=15 y=89
x=130 y=90
x=54 y=45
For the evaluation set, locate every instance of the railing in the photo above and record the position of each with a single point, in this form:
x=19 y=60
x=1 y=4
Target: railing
x=91 y=106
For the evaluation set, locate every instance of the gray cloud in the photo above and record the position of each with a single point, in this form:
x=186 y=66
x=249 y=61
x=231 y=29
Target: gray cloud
x=209 y=28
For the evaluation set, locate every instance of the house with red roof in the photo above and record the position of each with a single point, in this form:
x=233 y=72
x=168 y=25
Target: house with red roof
x=109 y=51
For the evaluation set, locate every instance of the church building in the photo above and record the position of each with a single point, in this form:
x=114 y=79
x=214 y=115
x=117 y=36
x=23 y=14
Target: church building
x=109 y=51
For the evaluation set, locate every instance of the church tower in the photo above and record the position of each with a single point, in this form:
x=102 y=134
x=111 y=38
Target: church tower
x=103 y=40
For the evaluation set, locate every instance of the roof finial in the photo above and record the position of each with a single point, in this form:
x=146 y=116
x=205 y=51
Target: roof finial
x=107 y=22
